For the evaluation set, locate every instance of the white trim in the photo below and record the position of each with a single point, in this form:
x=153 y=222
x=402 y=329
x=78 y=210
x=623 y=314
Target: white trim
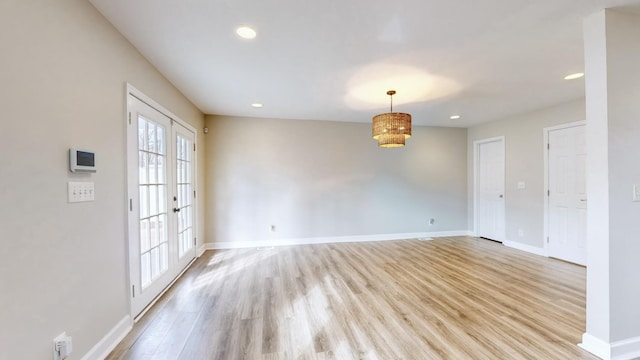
x=524 y=247
x=545 y=142
x=109 y=342
x=626 y=349
x=476 y=164
x=149 y=101
x=595 y=346
x=201 y=249
x=331 y=239
x=619 y=350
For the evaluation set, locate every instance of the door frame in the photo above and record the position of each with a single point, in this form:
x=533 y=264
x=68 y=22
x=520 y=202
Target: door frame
x=130 y=90
x=476 y=169
x=545 y=147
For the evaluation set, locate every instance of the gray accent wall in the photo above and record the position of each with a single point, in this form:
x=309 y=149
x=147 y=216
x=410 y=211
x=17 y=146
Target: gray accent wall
x=313 y=179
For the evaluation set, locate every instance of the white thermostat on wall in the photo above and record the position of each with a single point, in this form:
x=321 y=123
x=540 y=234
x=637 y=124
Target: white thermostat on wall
x=82 y=161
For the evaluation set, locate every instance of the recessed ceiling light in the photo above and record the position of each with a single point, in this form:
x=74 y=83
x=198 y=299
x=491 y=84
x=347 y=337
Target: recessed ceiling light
x=246 y=32
x=257 y=105
x=454 y=117
x=574 y=76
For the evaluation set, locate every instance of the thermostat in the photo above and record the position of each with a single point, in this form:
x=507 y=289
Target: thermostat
x=82 y=161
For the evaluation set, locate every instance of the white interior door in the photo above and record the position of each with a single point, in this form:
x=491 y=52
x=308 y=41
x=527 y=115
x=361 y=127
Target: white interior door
x=567 y=205
x=161 y=205
x=489 y=189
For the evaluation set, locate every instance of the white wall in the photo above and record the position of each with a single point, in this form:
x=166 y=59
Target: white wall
x=63 y=267
x=524 y=155
x=612 y=59
x=328 y=179
x=623 y=97
x=598 y=314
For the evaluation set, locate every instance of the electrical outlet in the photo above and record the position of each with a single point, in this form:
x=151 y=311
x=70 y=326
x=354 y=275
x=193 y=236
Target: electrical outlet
x=432 y=221
x=62 y=346
x=273 y=228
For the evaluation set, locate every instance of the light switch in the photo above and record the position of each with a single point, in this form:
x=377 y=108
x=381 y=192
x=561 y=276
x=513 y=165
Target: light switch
x=80 y=191
x=521 y=185
x=636 y=192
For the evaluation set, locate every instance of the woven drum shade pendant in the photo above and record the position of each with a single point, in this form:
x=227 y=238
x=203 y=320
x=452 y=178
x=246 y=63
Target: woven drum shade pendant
x=393 y=128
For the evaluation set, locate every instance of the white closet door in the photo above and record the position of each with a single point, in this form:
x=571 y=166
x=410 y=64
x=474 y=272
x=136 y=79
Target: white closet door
x=490 y=173
x=567 y=194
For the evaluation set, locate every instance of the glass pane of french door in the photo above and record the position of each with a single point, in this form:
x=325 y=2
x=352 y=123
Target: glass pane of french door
x=152 y=188
x=184 y=193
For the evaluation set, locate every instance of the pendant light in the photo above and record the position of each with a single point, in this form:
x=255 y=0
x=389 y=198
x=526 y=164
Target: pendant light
x=393 y=128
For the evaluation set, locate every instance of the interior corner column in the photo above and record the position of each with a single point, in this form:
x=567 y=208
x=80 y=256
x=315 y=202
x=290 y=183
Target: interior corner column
x=612 y=67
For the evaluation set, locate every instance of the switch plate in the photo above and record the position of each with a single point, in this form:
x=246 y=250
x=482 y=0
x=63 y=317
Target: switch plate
x=80 y=191
x=636 y=192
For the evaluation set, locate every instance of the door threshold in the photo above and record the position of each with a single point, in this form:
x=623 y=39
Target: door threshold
x=486 y=238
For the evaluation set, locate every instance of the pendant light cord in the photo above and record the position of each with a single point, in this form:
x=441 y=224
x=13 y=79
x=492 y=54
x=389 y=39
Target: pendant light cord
x=391 y=93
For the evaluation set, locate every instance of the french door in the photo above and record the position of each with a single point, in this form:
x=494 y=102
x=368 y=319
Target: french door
x=184 y=194
x=160 y=163
x=489 y=188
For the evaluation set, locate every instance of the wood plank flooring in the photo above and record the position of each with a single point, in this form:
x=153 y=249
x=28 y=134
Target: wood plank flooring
x=447 y=298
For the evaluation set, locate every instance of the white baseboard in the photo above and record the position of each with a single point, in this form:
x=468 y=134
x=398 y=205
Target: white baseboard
x=619 y=350
x=331 y=239
x=524 y=247
x=626 y=349
x=111 y=340
x=201 y=249
x=595 y=346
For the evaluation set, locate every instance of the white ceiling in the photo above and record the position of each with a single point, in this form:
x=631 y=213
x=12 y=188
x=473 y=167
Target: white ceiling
x=335 y=59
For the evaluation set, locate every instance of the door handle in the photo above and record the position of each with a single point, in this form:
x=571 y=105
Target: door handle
x=175 y=210
x=501 y=196
x=583 y=200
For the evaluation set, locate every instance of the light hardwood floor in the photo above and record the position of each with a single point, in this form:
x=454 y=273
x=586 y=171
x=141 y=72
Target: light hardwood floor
x=447 y=298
